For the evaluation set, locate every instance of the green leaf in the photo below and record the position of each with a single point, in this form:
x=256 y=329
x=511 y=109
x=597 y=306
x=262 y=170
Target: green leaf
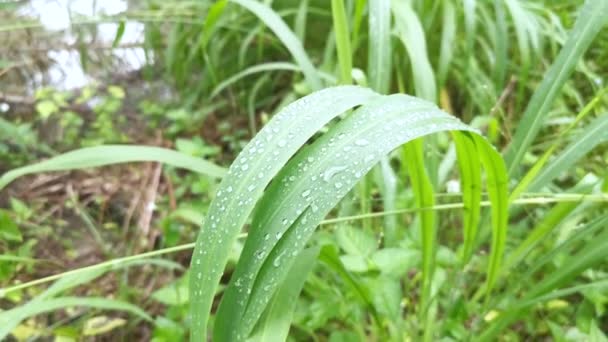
x=395 y=262
x=175 y=293
x=304 y=191
x=276 y=320
x=424 y=198
x=114 y=154
x=120 y=31
x=342 y=41
x=8 y=229
x=379 y=60
x=253 y=169
x=448 y=35
x=46 y=108
x=287 y=37
x=356 y=241
x=19 y=314
x=410 y=32
x=470 y=180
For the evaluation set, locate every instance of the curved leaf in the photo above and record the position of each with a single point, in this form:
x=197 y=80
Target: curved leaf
x=253 y=169
x=114 y=154
x=314 y=181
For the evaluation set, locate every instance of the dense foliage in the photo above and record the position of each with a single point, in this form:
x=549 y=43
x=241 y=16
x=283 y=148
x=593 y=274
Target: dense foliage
x=333 y=206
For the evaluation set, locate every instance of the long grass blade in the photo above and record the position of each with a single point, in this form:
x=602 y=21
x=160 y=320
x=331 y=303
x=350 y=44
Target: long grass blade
x=253 y=169
x=342 y=41
x=447 y=47
x=470 y=179
x=274 y=324
x=9 y=319
x=379 y=61
x=287 y=37
x=413 y=158
x=310 y=186
x=115 y=154
x=411 y=34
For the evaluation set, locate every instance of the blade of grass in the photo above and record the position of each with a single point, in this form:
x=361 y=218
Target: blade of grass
x=274 y=324
x=413 y=158
x=287 y=37
x=410 y=32
x=448 y=35
x=11 y=318
x=306 y=190
x=379 y=60
x=501 y=46
x=114 y=154
x=253 y=169
x=342 y=41
x=470 y=179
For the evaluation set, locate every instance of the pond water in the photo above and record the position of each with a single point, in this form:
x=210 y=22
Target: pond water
x=57 y=15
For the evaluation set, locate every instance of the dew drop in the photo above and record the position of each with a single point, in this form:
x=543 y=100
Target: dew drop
x=306 y=193
x=282 y=143
x=332 y=171
x=361 y=142
x=338 y=185
x=244 y=167
x=276 y=262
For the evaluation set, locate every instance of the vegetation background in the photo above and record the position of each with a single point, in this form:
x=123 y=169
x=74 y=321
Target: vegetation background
x=119 y=120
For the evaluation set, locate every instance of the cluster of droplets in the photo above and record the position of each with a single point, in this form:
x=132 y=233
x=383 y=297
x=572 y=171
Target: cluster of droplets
x=342 y=177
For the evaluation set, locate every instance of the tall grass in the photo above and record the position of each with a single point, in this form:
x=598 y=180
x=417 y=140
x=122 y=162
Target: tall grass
x=314 y=151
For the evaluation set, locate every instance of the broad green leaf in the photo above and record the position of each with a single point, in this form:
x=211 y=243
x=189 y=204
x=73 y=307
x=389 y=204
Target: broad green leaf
x=8 y=228
x=355 y=241
x=114 y=154
x=310 y=186
x=287 y=37
x=395 y=262
x=253 y=169
x=276 y=320
x=591 y=19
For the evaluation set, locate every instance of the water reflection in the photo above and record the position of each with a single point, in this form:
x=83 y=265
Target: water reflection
x=57 y=15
